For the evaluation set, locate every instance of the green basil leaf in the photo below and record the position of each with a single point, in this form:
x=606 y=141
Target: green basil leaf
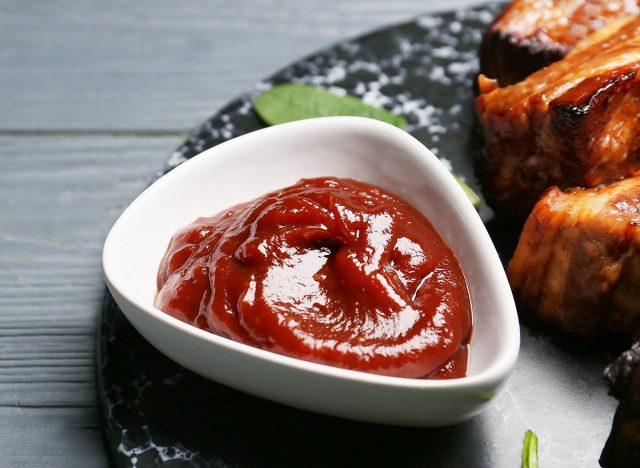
x=530 y=450
x=289 y=102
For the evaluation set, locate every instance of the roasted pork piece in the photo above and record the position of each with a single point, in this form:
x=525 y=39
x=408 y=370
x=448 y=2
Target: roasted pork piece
x=573 y=123
x=577 y=263
x=531 y=34
x=622 y=449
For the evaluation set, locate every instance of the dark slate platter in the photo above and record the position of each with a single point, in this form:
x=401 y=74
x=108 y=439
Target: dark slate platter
x=157 y=413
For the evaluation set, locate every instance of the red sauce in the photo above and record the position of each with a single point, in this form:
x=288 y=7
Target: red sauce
x=328 y=270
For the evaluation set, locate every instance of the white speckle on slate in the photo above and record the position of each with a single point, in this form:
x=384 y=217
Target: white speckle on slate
x=455 y=27
x=351 y=47
x=444 y=52
x=359 y=65
x=176 y=159
x=455 y=109
x=406 y=48
x=437 y=74
x=428 y=22
x=474 y=36
x=245 y=108
x=373 y=97
x=484 y=16
x=263 y=86
x=446 y=163
x=227 y=131
x=336 y=73
x=461 y=67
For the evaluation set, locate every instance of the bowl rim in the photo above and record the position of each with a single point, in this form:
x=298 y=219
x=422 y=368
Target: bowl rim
x=501 y=365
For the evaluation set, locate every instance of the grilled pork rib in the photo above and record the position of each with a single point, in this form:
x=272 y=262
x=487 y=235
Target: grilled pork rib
x=573 y=123
x=577 y=263
x=531 y=34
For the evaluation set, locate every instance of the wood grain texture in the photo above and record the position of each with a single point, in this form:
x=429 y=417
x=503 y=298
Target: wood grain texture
x=58 y=198
x=65 y=437
x=160 y=65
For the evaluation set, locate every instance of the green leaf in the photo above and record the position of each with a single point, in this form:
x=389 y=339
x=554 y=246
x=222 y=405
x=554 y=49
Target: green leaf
x=289 y=102
x=473 y=196
x=530 y=450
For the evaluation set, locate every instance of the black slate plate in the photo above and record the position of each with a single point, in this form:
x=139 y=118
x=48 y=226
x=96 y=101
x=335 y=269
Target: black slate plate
x=158 y=414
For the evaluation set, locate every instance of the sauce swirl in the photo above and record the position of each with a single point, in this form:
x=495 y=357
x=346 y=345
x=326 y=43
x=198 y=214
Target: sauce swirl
x=329 y=270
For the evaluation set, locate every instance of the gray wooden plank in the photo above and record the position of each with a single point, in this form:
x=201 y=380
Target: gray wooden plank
x=161 y=64
x=58 y=198
x=66 y=437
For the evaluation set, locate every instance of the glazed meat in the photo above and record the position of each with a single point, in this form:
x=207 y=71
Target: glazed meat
x=622 y=449
x=577 y=263
x=531 y=34
x=573 y=123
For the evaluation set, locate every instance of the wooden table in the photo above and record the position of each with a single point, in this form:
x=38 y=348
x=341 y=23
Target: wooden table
x=94 y=96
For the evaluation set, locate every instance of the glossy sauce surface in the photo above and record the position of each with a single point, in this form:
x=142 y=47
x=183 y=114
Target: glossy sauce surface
x=329 y=270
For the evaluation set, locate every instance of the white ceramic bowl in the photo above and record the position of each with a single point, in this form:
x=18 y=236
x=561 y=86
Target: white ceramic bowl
x=259 y=162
